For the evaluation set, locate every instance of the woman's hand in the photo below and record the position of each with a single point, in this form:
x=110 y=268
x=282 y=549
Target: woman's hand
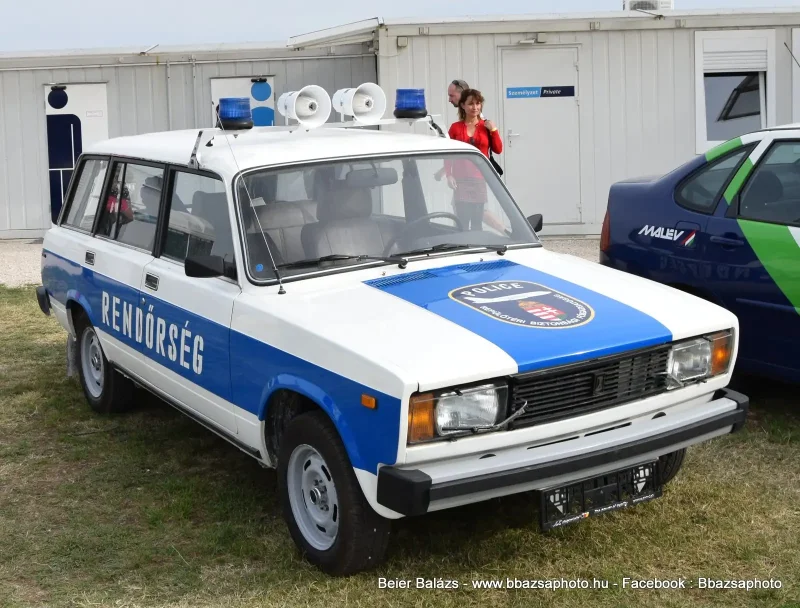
x=490 y=125
x=451 y=181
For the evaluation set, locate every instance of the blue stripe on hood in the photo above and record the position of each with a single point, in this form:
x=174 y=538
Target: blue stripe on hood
x=573 y=323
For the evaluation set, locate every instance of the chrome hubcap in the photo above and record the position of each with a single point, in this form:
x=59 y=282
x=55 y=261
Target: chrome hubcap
x=312 y=496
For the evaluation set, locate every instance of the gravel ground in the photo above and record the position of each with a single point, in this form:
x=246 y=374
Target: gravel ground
x=20 y=260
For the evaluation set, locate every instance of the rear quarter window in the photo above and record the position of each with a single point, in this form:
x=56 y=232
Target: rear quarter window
x=702 y=189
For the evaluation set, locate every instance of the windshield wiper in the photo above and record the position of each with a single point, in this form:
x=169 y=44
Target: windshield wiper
x=336 y=257
x=500 y=249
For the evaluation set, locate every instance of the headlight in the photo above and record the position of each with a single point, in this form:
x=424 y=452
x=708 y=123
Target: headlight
x=700 y=358
x=453 y=411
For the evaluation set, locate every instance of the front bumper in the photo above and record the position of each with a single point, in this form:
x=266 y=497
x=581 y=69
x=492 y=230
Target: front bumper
x=417 y=491
x=44 y=299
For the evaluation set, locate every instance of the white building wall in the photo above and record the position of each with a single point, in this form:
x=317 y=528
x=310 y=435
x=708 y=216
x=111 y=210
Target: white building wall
x=635 y=88
x=138 y=102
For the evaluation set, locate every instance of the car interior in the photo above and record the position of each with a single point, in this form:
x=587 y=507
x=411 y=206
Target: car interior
x=773 y=194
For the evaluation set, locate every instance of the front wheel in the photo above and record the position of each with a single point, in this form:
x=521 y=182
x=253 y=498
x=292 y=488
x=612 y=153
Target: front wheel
x=328 y=517
x=670 y=464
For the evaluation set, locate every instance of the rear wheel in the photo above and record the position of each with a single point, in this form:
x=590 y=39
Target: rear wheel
x=328 y=516
x=106 y=390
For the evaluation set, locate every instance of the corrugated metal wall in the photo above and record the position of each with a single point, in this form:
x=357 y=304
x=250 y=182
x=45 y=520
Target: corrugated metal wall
x=636 y=90
x=137 y=103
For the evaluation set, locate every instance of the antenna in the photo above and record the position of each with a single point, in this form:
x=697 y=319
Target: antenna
x=792 y=54
x=250 y=200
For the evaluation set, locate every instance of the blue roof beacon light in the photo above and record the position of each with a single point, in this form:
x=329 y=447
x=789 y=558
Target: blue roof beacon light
x=410 y=103
x=235 y=113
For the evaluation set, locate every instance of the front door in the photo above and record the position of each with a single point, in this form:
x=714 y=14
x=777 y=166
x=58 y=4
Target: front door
x=77 y=115
x=190 y=356
x=542 y=132
x=757 y=253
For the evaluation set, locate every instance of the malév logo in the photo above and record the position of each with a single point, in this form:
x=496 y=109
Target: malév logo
x=525 y=304
x=658 y=232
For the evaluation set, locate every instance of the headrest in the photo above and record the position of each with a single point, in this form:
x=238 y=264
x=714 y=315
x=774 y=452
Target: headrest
x=280 y=215
x=345 y=203
x=766 y=188
x=152 y=185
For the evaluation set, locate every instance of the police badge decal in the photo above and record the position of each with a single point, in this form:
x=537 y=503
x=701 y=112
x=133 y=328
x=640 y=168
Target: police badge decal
x=525 y=304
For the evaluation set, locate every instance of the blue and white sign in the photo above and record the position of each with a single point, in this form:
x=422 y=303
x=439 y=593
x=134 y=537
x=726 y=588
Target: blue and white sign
x=535 y=92
x=259 y=90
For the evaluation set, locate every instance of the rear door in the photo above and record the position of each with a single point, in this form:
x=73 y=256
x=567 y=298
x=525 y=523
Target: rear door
x=757 y=253
x=125 y=233
x=189 y=357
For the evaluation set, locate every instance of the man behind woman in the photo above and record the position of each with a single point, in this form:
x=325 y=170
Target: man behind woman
x=463 y=176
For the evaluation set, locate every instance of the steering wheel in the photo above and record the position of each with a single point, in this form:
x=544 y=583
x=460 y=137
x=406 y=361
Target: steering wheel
x=419 y=220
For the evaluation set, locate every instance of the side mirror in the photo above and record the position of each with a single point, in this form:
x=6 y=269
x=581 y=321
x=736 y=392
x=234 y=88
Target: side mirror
x=535 y=221
x=204 y=266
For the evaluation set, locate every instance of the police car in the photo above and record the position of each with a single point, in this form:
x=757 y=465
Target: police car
x=724 y=226
x=314 y=295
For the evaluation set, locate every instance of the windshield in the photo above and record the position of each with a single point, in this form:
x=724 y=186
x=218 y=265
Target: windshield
x=330 y=215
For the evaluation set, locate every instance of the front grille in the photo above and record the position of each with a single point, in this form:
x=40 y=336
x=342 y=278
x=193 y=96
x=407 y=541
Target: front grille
x=582 y=388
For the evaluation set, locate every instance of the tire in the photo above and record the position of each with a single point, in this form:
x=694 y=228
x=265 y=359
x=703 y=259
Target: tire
x=106 y=390
x=328 y=517
x=670 y=464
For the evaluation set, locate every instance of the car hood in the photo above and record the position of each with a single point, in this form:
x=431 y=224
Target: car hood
x=471 y=317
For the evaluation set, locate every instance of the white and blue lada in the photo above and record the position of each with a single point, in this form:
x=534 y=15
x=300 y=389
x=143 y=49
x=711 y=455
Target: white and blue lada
x=370 y=313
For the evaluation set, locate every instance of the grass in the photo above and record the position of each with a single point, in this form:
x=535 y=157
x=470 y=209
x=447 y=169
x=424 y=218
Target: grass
x=150 y=509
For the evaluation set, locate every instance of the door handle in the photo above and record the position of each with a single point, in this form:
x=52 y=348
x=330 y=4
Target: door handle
x=512 y=134
x=726 y=242
x=89 y=258
x=151 y=281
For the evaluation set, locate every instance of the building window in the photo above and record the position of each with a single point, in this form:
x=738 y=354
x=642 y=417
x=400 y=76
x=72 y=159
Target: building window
x=735 y=104
x=735 y=84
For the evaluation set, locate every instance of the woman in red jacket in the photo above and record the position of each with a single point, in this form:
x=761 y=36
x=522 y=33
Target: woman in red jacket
x=463 y=176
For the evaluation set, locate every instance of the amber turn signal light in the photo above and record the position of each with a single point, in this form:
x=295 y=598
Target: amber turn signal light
x=420 y=418
x=721 y=352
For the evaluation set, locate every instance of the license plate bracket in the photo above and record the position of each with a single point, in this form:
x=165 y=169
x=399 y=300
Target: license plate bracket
x=573 y=502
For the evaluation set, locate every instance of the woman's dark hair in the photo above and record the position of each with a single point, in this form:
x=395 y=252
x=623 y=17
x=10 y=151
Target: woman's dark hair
x=465 y=95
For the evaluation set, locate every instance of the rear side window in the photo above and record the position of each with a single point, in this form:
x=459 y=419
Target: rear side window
x=199 y=222
x=130 y=212
x=702 y=190
x=83 y=207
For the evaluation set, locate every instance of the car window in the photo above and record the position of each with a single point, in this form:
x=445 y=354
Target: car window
x=373 y=207
x=772 y=194
x=130 y=212
x=83 y=208
x=703 y=189
x=199 y=223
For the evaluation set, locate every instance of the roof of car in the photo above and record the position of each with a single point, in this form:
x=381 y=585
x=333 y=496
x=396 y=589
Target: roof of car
x=264 y=146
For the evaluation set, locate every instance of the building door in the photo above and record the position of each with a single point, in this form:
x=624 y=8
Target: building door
x=77 y=115
x=259 y=89
x=542 y=132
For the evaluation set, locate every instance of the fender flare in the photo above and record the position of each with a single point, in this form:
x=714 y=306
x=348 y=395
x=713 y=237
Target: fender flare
x=76 y=297
x=321 y=399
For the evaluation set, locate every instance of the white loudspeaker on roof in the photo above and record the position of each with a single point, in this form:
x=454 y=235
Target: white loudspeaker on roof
x=366 y=103
x=310 y=106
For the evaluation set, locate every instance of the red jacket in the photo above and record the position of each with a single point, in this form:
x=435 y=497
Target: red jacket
x=482 y=140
